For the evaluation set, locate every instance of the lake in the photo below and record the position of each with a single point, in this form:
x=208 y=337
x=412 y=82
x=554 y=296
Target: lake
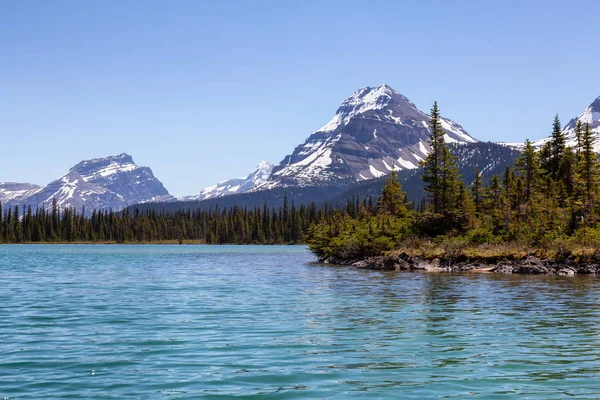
x=194 y=322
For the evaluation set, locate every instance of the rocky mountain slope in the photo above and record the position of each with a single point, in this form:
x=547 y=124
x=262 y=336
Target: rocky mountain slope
x=113 y=182
x=374 y=130
x=13 y=191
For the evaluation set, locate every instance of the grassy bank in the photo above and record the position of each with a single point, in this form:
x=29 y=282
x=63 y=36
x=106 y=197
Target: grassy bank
x=458 y=249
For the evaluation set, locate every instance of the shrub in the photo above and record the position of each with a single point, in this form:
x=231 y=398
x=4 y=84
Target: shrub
x=556 y=245
x=480 y=236
x=587 y=237
x=454 y=246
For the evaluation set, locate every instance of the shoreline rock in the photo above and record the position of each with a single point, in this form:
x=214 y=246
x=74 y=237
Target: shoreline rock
x=529 y=265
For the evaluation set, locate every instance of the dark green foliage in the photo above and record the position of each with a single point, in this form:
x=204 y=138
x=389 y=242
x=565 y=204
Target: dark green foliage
x=368 y=233
x=440 y=173
x=557 y=150
x=443 y=182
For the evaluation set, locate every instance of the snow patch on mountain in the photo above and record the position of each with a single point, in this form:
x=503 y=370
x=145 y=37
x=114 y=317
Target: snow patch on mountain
x=361 y=101
x=13 y=191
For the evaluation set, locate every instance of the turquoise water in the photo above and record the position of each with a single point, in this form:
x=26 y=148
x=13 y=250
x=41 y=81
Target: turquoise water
x=192 y=322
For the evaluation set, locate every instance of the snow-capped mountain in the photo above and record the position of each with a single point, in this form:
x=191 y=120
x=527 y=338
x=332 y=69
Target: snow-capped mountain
x=112 y=182
x=591 y=116
x=373 y=131
x=237 y=185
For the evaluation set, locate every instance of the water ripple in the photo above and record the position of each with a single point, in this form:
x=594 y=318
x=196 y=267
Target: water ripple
x=188 y=322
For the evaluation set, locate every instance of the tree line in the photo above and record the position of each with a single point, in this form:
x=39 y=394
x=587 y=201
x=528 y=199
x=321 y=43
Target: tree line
x=237 y=225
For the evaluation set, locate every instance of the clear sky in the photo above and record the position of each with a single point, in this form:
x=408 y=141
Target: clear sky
x=201 y=91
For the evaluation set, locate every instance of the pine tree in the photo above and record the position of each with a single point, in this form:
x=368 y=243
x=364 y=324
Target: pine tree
x=579 y=137
x=393 y=199
x=440 y=173
x=557 y=146
x=476 y=190
x=528 y=166
x=567 y=174
x=588 y=171
x=432 y=165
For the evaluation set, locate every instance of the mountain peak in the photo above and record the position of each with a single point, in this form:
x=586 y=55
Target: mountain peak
x=119 y=159
x=375 y=96
x=263 y=165
x=370 y=100
x=595 y=106
x=591 y=115
x=381 y=90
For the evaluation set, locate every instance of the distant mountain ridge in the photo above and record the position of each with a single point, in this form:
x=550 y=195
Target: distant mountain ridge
x=489 y=158
x=237 y=185
x=112 y=182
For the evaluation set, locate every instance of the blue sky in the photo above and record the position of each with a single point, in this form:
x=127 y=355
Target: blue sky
x=202 y=91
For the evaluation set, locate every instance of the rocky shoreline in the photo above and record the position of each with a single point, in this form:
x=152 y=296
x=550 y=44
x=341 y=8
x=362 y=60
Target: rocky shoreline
x=529 y=265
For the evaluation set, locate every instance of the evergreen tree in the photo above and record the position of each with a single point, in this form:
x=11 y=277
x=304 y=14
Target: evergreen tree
x=393 y=199
x=476 y=190
x=440 y=173
x=557 y=149
x=432 y=174
x=528 y=166
x=588 y=173
x=579 y=137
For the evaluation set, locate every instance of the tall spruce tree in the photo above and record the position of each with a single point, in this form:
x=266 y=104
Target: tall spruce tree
x=528 y=167
x=579 y=137
x=557 y=149
x=588 y=167
x=432 y=165
x=440 y=173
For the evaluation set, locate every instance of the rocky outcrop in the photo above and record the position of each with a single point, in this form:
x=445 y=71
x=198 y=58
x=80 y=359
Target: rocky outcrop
x=530 y=265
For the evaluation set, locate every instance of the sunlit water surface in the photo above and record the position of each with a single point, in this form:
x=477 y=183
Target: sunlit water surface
x=188 y=322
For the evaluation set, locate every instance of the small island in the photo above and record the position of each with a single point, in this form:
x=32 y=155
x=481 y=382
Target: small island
x=539 y=217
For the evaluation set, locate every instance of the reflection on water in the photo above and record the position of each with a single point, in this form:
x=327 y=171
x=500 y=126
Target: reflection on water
x=209 y=321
